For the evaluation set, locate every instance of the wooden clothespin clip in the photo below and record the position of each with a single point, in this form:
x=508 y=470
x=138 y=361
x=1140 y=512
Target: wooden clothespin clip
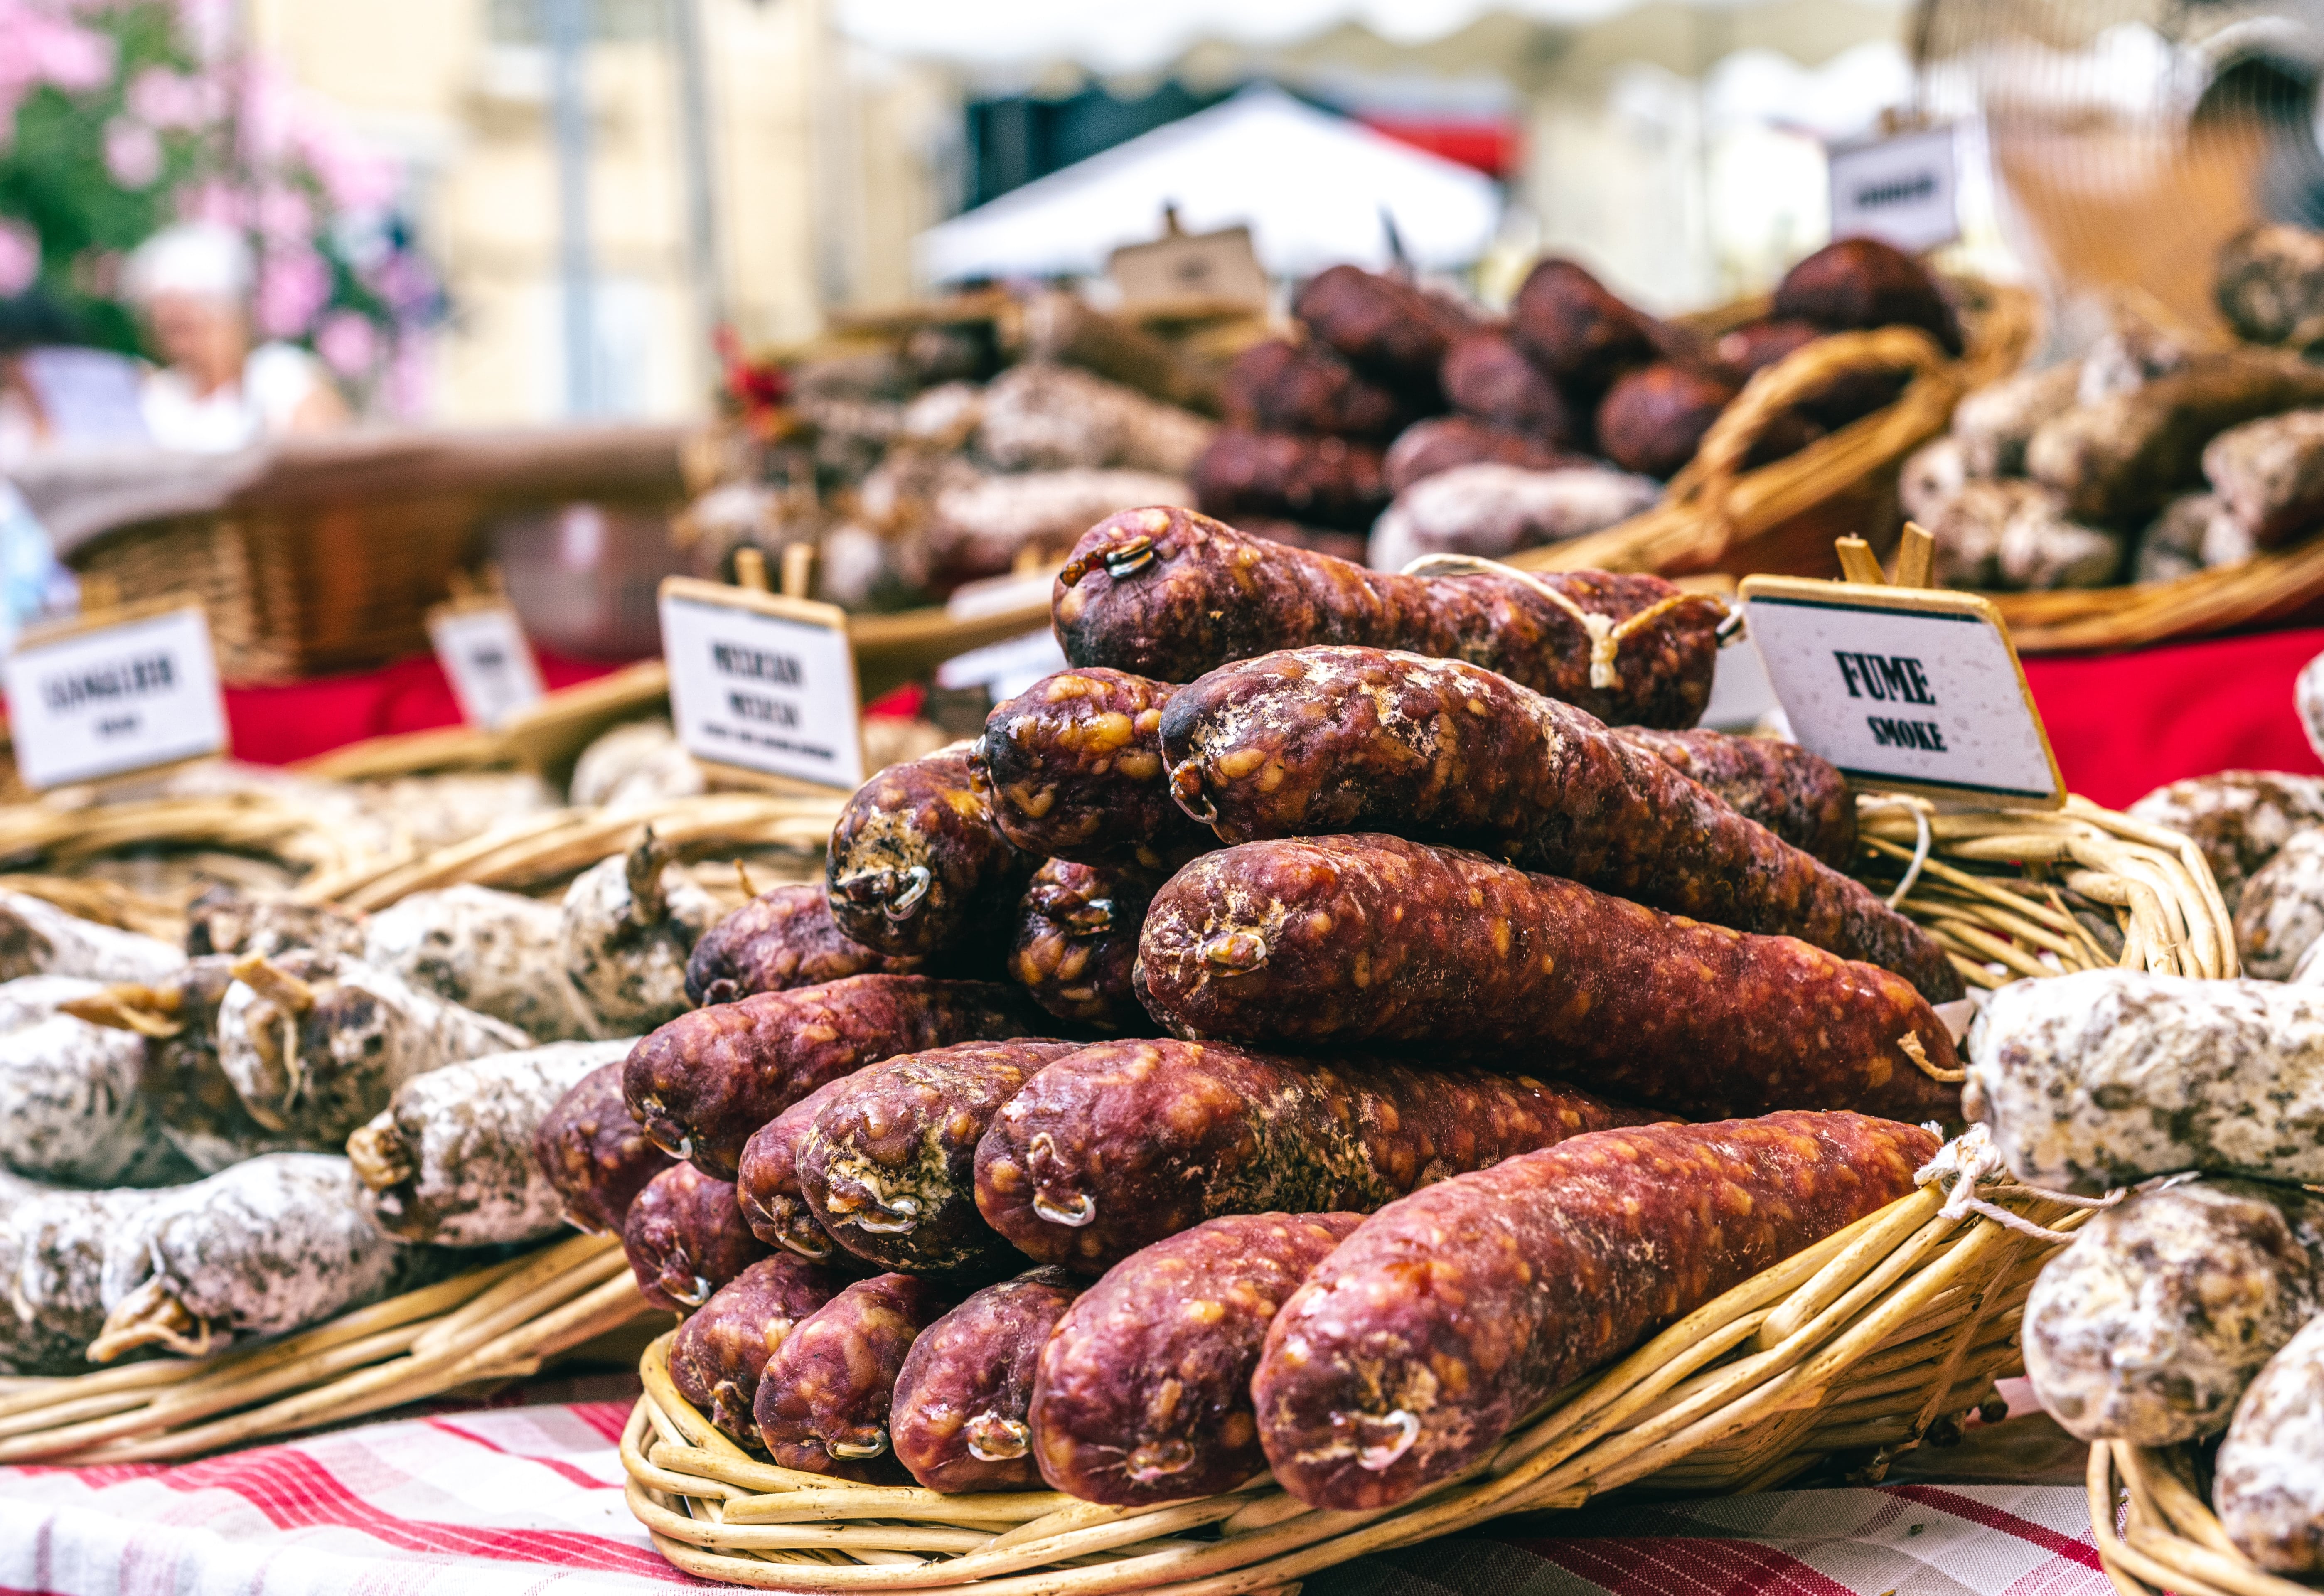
x=751 y=569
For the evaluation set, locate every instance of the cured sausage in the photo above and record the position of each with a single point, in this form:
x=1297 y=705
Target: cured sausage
x=1144 y=1389
x=723 y=1346
x=1314 y=741
x=2104 y=1077
x=2147 y=1328
x=1451 y=1314
x=960 y=1417
x=2269 y=1481
x=782 y=939
x=223 y=919
x=71 y=1107
x=1172 y=594
x=766 y=1183
x=915 y=859
x=269 y=1245
x=1076 y=940
x=38 y=938
x=1801 y=798
x=702 y=1084
x=1383 y=325
x=51 y=1273
x=890 y=1164
x=496 y=953
x=2239 y=819
x=823 y=1398
x=450 y=1160
x=200 y=1114
x=1346 y=941
x=1319 y=482
x=623 y=934
x=1123 y=1144
x=1072 y=768
x=685 y=1238
x=316 y=1043
x=2281 y=913
x=596 y=1155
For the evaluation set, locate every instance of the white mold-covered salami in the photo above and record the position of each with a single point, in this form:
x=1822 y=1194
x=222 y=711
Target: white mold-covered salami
x=71 y=1110
x=2239 y=818
x=2269 y=1486
x=29 y=999
x=266 y=1246
x=315 y=1043
x=195 y=1107
x=2149 y=1326
x=38 y=938
x=627 y=926
x=2105 y=1077
x=450 y=1160
x=51 y=1260
x=225 y=919
x=2282 y=913
x=496 y=953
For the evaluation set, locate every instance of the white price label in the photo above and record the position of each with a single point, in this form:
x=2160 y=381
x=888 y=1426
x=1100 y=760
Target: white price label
x=1904 y=688
x=481 y=649
x=762 y=683
x=107 y=700
x=1902 y=190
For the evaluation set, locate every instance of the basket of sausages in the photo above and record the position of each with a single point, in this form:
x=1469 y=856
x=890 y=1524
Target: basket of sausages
x=306 y=1163
x=1340 y=1063
x=2182 y=1331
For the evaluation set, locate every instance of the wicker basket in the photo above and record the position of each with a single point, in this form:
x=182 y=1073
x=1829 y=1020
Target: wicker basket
x=2170 y=1539
x=471 y=1332
x=2267 y=589
x=1782 y=517
x=1856 y=1348
x=329 y=556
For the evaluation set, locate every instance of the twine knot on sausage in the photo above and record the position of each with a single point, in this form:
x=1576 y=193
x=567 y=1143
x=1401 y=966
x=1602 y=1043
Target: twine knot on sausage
x=1970 y=1163
x=1604 y=633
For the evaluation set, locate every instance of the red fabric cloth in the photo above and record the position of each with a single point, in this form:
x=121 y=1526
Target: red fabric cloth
x=2123 y=724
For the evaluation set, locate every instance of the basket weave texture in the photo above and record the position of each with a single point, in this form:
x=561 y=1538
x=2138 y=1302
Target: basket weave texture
x=2170 y=1540
x=1717 y=515
x=1863 y=1344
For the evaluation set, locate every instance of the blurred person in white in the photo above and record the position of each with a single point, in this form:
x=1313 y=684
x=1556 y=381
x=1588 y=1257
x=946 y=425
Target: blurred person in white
x=214 y=393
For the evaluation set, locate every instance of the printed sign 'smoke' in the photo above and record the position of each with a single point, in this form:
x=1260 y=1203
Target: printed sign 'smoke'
x=1903 y=687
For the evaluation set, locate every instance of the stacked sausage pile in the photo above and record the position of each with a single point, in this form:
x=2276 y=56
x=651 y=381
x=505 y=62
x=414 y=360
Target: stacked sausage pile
x=2194 y=1310
x=1199 y=1074
x=1483 y=434
x=175 y=1118
x=2156 y=454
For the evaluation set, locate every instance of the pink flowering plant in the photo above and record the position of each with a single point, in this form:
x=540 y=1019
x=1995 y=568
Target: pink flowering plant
x=118 y=117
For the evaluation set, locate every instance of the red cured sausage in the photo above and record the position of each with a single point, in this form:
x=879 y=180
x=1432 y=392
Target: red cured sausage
x=917 y=865
x=1144 y=1389
x=1171 y=594
x=1382 y=324
x=1072 y=768
x=685 y=1238
x=1123 y=1144
x=1444 y=442
x=1801 y=798
x=1491 y=379
x=765 y=1180
x=782 y=939
x=1312 y=741
x=960 y=1417
x=890 y=1164
x=1322 y=482
x=702 y=1084
x=1448 y=1316
x=1345 y=941
x=596 y=1154
x=823 y=1399
x=723 y=1346
x=1279 y=386
x=1076 y=940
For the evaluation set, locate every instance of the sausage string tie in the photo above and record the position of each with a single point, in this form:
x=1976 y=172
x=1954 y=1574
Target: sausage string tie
x=1970 y=1162
x=1605 y=634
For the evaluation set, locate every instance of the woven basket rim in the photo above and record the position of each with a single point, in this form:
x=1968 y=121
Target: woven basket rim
x=2171 y=1541
x=1763 y=1360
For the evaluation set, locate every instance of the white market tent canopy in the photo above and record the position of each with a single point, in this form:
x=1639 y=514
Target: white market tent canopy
x=1314 y=189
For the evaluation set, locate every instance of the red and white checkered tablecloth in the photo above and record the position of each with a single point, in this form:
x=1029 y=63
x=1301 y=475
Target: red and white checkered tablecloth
x=527 y=1501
